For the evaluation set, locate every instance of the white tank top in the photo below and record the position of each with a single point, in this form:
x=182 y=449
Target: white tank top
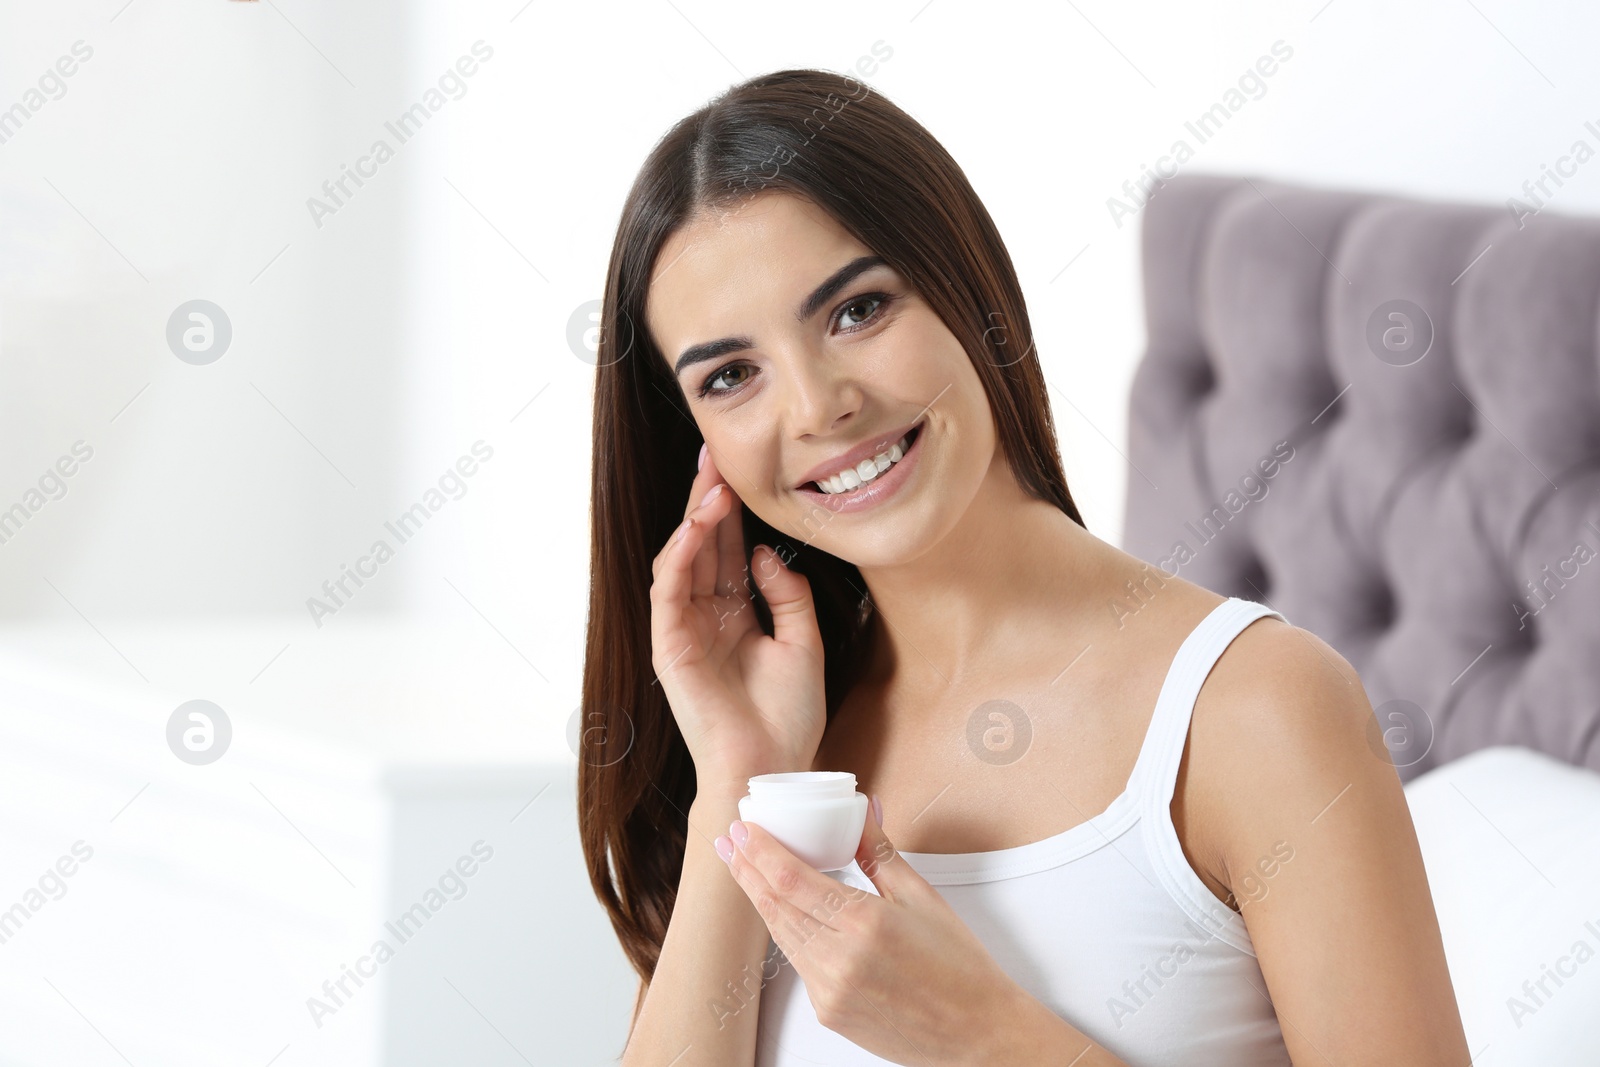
x=1105 y=923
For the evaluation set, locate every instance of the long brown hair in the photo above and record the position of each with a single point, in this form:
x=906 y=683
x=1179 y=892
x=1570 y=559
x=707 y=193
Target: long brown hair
x=838 y=143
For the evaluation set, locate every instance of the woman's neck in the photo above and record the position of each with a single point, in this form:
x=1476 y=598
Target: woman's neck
x=1014 y=566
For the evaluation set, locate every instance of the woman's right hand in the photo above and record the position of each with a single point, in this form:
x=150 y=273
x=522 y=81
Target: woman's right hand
x=745 y=703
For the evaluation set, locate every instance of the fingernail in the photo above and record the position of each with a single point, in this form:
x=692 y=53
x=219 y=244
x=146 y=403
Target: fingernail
x=683 y=529
x=701 y=463
x=724 y=848
x=711 y=493
x=737 y=831
x=877 y=810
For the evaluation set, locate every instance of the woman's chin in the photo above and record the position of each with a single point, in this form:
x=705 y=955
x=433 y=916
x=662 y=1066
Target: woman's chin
x=895 y=541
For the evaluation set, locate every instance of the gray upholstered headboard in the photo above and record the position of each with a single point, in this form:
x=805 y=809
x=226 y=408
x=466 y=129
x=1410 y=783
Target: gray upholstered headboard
x=1381 y=416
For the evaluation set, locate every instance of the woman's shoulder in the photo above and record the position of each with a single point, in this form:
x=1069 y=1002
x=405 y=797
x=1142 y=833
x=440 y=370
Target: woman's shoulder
x=1271 y=666
x=1282 y=723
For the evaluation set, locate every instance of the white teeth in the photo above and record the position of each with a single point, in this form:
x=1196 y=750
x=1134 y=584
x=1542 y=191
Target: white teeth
x=865 y=471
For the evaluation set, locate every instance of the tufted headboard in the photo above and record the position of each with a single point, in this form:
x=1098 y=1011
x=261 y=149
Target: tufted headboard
x=1381 y=417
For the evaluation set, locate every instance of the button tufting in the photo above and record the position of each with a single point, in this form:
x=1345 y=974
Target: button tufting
x=1383 y=607
x=1254 y=577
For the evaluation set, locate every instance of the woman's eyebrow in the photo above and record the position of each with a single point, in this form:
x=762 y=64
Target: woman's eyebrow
x=808 y=307
x=839 y=279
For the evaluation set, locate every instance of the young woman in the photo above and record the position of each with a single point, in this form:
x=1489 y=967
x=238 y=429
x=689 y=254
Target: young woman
x=1117 y=818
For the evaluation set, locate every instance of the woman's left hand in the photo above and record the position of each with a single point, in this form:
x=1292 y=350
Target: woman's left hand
x=899 y=973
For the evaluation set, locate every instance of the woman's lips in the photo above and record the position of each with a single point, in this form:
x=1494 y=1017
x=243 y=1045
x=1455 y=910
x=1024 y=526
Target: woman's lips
x=853 y=458
x=875 y=492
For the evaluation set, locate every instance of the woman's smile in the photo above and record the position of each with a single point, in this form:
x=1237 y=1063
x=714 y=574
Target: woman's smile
x=852 y=489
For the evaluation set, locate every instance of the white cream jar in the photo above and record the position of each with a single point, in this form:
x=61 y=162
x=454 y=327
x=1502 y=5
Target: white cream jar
x=817 y=815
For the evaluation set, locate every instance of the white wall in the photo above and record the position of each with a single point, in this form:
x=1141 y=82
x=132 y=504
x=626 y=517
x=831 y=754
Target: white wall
x=176 y=166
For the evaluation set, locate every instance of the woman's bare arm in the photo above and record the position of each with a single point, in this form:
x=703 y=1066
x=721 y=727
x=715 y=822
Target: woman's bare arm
x=1307 y=817
x=700 y=1008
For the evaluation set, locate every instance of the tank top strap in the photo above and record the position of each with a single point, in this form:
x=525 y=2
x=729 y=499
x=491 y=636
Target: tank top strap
x=1155 y=772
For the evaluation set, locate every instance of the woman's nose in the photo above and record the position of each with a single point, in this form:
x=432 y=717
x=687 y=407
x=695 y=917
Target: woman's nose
x=820 y=394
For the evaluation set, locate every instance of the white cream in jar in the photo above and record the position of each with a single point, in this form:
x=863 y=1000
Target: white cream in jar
x=817 y=815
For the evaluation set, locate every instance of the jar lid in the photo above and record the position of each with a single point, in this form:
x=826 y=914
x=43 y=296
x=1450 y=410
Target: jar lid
x=803 y=785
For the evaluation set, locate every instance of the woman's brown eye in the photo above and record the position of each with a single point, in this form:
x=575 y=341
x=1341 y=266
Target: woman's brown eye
x=710 y=385
x=874 y=300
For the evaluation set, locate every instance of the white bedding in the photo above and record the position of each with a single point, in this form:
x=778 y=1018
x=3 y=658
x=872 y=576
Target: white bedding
x=1511 y=842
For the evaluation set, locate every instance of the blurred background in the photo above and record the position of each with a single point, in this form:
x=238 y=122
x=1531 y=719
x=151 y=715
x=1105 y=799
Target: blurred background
x=242 y=342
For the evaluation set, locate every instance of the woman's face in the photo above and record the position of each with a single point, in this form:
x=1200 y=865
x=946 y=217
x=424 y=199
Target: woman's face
x=814 y=366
